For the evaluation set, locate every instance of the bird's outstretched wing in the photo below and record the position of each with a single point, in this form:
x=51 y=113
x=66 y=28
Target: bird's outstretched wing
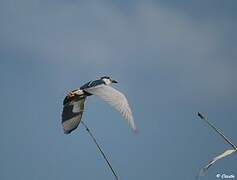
x=224 y=154
x=114 y=98
x=73 y=108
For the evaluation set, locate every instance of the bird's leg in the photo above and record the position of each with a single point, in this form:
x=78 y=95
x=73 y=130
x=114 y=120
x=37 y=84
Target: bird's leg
x=71 y=94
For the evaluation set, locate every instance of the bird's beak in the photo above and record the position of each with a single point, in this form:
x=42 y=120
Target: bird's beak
x=113 y=81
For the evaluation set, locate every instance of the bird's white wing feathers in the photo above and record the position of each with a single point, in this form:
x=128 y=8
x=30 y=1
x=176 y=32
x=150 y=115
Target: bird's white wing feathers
x=224 y=154
x=114 y=98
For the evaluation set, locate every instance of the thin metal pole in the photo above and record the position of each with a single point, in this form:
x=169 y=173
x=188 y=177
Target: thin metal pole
x=218 y=131
x=103 y=154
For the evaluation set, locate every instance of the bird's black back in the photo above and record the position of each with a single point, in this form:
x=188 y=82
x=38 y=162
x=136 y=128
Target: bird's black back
x=92 y=84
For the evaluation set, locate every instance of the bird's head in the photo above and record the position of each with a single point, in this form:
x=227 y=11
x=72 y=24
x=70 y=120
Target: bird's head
x=108 y=80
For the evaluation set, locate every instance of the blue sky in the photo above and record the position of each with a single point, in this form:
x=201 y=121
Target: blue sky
x=171 y=59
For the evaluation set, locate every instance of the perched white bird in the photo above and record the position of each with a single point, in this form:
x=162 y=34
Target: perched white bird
x=74 y=102
x=224 y=154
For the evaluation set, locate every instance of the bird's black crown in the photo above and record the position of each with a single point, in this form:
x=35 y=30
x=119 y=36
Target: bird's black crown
x=105 y=77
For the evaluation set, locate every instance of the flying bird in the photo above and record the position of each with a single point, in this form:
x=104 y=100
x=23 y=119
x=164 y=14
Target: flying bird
x=224 y=154
x=73 y=104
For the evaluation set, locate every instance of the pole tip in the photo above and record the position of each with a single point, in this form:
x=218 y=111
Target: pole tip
x=200 y=115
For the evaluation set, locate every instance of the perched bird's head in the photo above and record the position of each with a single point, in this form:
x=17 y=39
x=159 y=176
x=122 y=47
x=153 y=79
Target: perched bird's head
x=108 y=80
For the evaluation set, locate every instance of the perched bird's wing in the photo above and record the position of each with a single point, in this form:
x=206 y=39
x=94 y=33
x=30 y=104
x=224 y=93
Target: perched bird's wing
x=114 y=98
x=73 y=108
x=224 y=154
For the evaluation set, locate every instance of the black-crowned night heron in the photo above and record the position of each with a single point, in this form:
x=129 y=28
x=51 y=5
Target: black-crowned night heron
x=74 y=102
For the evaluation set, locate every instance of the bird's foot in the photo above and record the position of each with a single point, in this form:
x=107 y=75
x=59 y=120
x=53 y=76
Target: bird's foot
x=71 y=94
